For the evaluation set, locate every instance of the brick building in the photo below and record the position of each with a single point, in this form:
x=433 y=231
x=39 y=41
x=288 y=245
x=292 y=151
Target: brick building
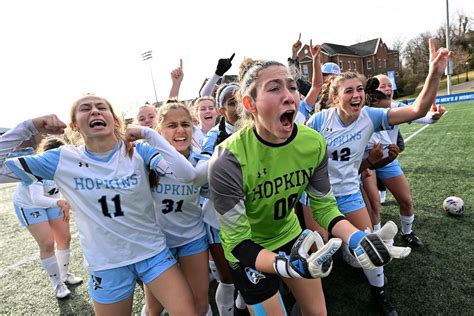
x=368 y=58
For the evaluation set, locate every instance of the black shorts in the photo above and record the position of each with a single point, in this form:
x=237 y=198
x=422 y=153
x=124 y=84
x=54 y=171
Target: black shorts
x=255 y=286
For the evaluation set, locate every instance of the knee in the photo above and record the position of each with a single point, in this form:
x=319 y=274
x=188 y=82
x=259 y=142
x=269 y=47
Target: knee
x=47 y=245
x=202 y=305
x=405 y=202
x=65 y=241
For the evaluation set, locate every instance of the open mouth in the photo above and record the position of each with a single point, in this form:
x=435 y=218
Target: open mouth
x=355 y=104
x=97 y=122
x=208 y=117
x=180 y=139
x=286 y=118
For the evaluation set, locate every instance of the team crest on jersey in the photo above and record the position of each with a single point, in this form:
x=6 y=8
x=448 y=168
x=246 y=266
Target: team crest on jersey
x=253 y=275
x=261 y=174
x=35 y=214
x=97 y=281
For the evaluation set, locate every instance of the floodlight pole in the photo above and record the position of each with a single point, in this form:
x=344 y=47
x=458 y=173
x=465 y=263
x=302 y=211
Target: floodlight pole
x=148 y=55
x=450 y=65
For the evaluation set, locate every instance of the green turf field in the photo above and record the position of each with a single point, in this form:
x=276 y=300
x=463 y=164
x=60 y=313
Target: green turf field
x=438 y=279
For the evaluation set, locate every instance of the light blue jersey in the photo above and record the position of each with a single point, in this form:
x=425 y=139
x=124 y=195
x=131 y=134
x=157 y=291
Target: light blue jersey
x=346 y=144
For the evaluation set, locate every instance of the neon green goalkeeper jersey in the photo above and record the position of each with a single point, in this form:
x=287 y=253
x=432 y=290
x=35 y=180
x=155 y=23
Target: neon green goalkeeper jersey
x=255 y=186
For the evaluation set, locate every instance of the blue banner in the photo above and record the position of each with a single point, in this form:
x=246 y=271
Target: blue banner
x=443 y=99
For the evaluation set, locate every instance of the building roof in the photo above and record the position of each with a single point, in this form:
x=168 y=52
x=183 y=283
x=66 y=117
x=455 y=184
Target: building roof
x=336 y=49
x=365 y=48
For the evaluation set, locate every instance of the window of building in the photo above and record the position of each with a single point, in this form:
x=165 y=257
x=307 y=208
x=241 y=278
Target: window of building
x=349 y=65
x=305 y=70
x=379 y=62
x=354 y=65
x=369 y=64
x=384 y=63
x=341 y=65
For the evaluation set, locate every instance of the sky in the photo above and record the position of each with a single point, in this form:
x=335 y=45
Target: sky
x=54 y=51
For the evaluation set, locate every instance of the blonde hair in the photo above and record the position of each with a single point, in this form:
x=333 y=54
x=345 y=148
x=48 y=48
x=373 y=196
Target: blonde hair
x=119 y=129
x=147 y=105
x=168 y=106
x=336 y=82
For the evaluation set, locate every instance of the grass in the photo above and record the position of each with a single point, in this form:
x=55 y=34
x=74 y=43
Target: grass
x=437 y=280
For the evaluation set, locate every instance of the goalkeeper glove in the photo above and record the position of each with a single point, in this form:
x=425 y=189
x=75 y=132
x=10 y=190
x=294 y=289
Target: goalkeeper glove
x=299 y=264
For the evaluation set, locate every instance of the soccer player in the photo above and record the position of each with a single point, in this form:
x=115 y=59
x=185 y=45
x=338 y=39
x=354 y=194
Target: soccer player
x=347 y=128
x=40 y=208
x=256 y=176
x=106 y=181
x=178 y=210
x=228 y=109
x=392 y=175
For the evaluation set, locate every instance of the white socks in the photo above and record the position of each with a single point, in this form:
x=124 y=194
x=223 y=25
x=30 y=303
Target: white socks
x=51 y=266
x=239 y=301
x=225 y=299
x=407 y=223
x=377 y=227
x=214 y=272
x=63 y=262
x=375 y=277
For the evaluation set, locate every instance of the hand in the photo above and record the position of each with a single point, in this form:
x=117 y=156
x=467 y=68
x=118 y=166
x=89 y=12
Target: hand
x=376 y=249
x=223 y=135
x=177 y=74
x=438 y=58
x=315 y=51
x=393 y=151
x=301 y=265
x=375 y=154
x=296 y=47
x=437 y=111
x=366 y=173
x=65 y=209
x=223 y=65
x=49 y=124
x=134 y=132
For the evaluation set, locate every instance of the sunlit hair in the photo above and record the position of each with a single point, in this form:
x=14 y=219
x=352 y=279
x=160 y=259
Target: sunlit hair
x=146 y=106
x=249 y=72
x=323 y=99
x=49 y=143
x=119 y=128
x=168 y=106
x=337 y=80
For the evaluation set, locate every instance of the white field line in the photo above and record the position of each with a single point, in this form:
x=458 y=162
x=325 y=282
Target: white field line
x=24 y=260
x=418 y=131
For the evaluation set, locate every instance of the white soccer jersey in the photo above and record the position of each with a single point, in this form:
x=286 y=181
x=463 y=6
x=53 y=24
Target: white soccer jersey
x=198 y=136
x=177 y=209
x=41 y=194
x=110 y=196
x=346 y=144
x=387 y=137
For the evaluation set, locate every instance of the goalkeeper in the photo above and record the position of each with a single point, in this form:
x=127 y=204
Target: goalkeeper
x=257 y=175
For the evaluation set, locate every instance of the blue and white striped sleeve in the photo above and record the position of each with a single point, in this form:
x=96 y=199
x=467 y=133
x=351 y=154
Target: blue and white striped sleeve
x=35 y=168
x=306 y=109
x=379 y=118
x=163 y=158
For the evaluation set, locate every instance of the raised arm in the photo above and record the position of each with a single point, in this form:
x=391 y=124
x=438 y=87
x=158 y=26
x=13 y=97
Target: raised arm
x=44 y=124
x=171 y=163
x=317 y=79
x=223 y=65
x=438 y=61
x=177 y=76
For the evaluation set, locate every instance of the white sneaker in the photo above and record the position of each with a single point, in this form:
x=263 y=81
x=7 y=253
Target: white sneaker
x=61 y=290
x=383 y=195
x=71 y=279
